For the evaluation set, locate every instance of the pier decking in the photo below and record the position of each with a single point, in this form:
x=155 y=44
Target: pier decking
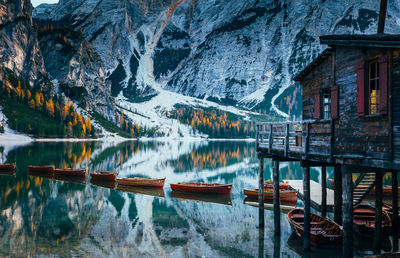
x=315 y=194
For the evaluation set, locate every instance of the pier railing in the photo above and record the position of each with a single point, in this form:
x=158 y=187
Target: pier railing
x=314 y=137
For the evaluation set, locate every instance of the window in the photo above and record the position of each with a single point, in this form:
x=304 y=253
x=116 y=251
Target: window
x=326 y=98
x=373 y=87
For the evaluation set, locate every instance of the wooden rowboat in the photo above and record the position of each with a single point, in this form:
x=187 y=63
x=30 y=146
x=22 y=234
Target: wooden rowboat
x=70 y=172
x=388 y=208
x=323 y=231
x=194 y=187
x=143 y=182
x=364 y=220
x=269 y=205
x=104 y=175
x=270 y=184
x=7 y=167
x=288 y=195
x=41 y=169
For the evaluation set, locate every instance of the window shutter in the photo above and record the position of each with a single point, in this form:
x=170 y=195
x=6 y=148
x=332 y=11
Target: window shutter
x=317 y=106
x=383 y=84
x=334 y=102
x=361 y=88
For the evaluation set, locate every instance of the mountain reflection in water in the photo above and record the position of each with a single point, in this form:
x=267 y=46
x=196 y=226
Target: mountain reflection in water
x=43 y=216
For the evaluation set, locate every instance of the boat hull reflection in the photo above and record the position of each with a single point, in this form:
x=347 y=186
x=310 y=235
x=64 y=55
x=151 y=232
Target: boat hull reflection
x=41 y=174
x=214 y=198
x=285 y=207
x=7 y=172
x=103 y=183
x=80 y=180
x=152 y=191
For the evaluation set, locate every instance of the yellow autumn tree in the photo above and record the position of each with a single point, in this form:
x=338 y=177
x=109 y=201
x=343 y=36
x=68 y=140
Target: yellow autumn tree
x=28 y=94
x=32 y=103
x=121 y=121
x=64 y=112
x=88 y=125
x=50 y=107
x=37 y=101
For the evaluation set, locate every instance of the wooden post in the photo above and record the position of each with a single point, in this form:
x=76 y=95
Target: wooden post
x=323 y=202
x=378 y=211
x=395 y=207
x=395 y=201
x=306 y=191
x=261 y=232
x=277 y=246
x=337 y=195
x=287 y=140
x=277 y=214
x=270 y=139
x=261 y=189
x=347 y=211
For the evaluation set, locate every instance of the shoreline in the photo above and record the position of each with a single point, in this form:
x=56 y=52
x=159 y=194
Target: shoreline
x=10 y=140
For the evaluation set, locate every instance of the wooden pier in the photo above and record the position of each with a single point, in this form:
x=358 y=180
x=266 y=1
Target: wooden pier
x=316 y=196
x=351 y=122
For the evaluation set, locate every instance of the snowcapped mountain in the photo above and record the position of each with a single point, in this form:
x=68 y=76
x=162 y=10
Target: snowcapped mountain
x=241 y=53
x=146 y=56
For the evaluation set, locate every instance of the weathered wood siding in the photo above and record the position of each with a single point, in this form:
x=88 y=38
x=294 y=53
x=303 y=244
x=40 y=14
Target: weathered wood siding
x=320 y=77
x=396 y=104
x=360 y=136
x=355 y=136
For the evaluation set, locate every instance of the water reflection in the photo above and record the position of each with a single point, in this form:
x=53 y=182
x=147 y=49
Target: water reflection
x=54 y=216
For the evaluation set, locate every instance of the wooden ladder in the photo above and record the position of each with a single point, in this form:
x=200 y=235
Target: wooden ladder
x=363 y=185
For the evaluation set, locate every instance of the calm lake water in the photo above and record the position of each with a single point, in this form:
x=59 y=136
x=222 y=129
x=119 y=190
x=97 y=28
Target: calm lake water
x=41 y=216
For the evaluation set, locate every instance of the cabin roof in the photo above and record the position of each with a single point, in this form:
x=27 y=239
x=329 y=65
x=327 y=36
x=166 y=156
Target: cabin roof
x=321 y=57
x=356 y=40
x=362 y=40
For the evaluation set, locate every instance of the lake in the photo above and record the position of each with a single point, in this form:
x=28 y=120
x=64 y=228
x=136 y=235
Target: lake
x=44 y=216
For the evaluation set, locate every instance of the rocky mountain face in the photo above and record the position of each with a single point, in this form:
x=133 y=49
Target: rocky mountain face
x=19 y=49
x=74 y=66
x=240 y=53
x=53 y=57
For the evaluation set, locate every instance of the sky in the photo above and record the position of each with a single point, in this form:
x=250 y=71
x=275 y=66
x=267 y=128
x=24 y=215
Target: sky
x=38 y=2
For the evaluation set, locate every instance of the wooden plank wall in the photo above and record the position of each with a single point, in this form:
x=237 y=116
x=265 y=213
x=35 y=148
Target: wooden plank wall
x=396 y=105
x=367 y=136
x=319 y=77
x=354 y=136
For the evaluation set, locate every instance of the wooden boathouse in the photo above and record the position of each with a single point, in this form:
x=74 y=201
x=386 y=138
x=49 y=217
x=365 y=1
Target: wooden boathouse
x=350 y=121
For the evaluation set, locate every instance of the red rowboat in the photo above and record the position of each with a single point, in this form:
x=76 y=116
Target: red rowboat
x=323 y=231
x=104 y=175
x=388 y=208
x=202 y=188
x=70 y=172
x=287 y=195
x=7 y=167
x=41 y=169
x=138 y=181
x=364 y=220
x=270 y=184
